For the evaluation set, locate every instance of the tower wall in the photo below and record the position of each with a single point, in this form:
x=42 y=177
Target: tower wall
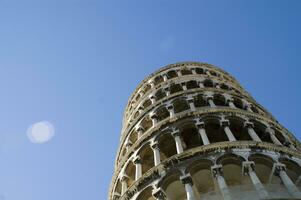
x=190 y=131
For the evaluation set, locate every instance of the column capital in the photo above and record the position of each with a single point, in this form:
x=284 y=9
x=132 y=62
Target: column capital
x=175 y=133
x=137 y=160
x=217 y=170
x=190 y=99
x=139 y=128
x=248 y=124
x=224 y=122
x=247 y=166
x=153 y=116
x=128 y=143
x=124 y=178
x=155 y=145
x=278 y=167
x=186 y=179
x=200 y=124
x=269 y=130
x=169 y=107
x=159 y=194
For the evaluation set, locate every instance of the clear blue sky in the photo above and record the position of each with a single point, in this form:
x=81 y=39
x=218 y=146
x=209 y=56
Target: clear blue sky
x=74 y=63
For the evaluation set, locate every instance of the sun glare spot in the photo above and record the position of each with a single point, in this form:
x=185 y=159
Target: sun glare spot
x=40 y=132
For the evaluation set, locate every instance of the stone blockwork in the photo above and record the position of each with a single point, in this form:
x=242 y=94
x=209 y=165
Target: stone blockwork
x=190 y=131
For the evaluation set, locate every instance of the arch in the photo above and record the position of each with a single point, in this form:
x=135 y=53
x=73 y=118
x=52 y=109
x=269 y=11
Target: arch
x=130 y=173
x=199 y=70
x=224 y=86
x=160 y=94
x=199 y=101
x=171 y=74
x=191 y=84
x=180 y=104
x=238 y=129
x=293 y=169
x=190 y=135
x=186 y=71
x=162 y=113
x=219 y=100
x=146 y=123
x=146 y=194
x=208 y=83
x=260 y=129
x=167 y=145
x=147 y=157
x=232 y=168
x=213 y=73
x=213 y=130
x=117 y=189
x=147 y=88
x=147 y=103
x=200 y=171
x=238 y=103
x=175 y=88
x=159 y=79
x=279 y=136
x=133 y=136
x=172 y=186
x=263 y=166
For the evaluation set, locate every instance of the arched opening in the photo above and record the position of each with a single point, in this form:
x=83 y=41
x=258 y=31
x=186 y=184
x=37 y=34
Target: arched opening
x=260 y=129
x=224 y=86
x=208 y=83
x=186 y=72
x=190 y=136
x=147 y=103
x=180 y=104
x=146 y=194
x=280 y=136
x=167 y=146
x=238 y=103
x=213 y=73
x=199 y=101
x=172 y=74
x=160 y=94
x=133 y=136
x=158 y=80
x=199 y=70
x=130 y=173
x=147 y=158
x=293 y=170
x=146 y=123
x=238 y=129
x=219 y=100
x=200 y=171
x=173 y=187
x=214 y=131
x=162 y=113
x=175 y=88
x=136 y=114
x=147 y=88
x=191 y=85
x=117 y=190
x=272 y=183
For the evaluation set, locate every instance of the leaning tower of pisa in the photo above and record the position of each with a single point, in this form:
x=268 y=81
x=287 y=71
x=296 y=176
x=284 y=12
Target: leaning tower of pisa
x=191 y=132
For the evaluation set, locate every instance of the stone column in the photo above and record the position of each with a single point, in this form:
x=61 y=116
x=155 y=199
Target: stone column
x=153 y=99
x=252 y=133
x=193 y=71
x=202 y=132
x=247 y=106
x=171 y=110
x=138 y=165
x=280 y=170
x=187 y=182
x=140 y=132
x=156 y=150
x=217 y=86
x=124 y=185
x=179 y=73
x=165 y=78
x=208 y=72
x=230 y=103
x=225 y=124
x=128 y=145
x=176 y=135
x=273 y=137
x=184 y=87
x=152 y=84
x=159 y=194
x=191 y=103
x=248 y=169
x=154 y=119
x=201 y=85
x=210 y=101
x=217 y=173
x=167 y=91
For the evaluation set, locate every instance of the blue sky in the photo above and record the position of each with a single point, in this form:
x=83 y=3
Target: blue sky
x=74 y=63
